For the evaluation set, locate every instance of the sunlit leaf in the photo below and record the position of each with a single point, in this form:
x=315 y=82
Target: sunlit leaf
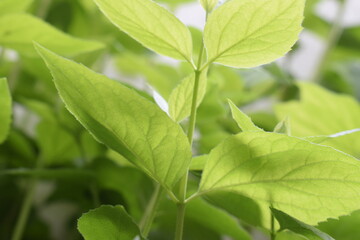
x=122 y=119
x=150 y=24
x=247 y=33
x=242 y=120
x=5 y=109
x=308 y=181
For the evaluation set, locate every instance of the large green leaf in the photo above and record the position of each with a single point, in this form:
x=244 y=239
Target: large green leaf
x=122 y=119
x=308 y=181
x=5 y=112
x=13 y=6
x=18 y=31
x=108 y=222
x=181 y=97
x=150 y=24
x=296 y=226
x=321 y=112
x=247 y=33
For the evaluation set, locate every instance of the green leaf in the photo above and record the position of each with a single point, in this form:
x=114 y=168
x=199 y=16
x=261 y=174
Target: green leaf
x=215 y=219
x=181 y=97
x=14 y=6
x=57 y=145
x=242 y=120
x=108 y=222
x=122 y=119
x=198 y=163
x=6 y=111
x=283 y=127
x=322 y=113
x=18 y=31
x=308 y=181
x=296 y=226
x=150 y=24
x=209 y=5
x=247 y=33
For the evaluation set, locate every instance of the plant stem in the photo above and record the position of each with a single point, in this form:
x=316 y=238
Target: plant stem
x=180 y=221
x=190 y=134
x=334 y=36
x=272 y=223
x=26 y=205
x=150 y=212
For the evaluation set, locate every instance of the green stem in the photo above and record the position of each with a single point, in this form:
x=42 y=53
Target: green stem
x=190 y=134
x=334 y=36
x=272 y=223
x=26 y=205
x=150 y=212
x=180 y=221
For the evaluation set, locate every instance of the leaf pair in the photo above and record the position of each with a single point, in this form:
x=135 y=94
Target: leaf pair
x=241 y=33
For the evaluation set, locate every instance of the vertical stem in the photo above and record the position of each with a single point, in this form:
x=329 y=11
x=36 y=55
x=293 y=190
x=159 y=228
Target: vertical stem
x=150 y=212
x=26 y=205
x=190 y=134
x=272 y=223
x=334 y=36
x=180 y=221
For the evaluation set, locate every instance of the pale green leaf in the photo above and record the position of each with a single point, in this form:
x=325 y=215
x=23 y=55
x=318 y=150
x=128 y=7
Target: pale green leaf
x=248 y=33
x=209 y=5
x=122 y=119
x=283 y=127
x=18 y=31
x=198 y=163
x=296 y=226
x=150 y=24
x=108 y=222
x=14 y=6
x=5 y=109
x=180 y=99
x=322 y=113
x=308 y=181
x=243 y=121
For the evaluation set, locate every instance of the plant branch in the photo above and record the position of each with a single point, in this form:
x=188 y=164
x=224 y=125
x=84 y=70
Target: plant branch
x=334 y=36
x=150 y=212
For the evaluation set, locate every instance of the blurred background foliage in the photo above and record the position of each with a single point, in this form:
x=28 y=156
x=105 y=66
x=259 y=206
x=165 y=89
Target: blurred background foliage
x=50 y=156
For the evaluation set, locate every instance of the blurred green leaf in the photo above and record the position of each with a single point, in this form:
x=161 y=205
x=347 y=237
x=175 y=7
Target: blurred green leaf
x=108 y=222
x=6 y=109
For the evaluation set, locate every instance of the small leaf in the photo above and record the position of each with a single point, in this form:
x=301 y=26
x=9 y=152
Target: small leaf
x=296 y=226
x=198 y=163
x=309 y=181
x=181 y=97
x=108 y=222
x=122 y=119
x=283 y=127
x=18 y=31
x=209 y=5
x=5 y=109
x=242 y=120
x=150 y=24
x=248 y=33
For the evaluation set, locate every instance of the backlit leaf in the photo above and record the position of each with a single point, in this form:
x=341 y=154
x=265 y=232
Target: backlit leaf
x=248 y=33
x=308 y=181
x=13 y=6
x=243 y=121
x=122 y=119
x=209 y=5
x=150 y=24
